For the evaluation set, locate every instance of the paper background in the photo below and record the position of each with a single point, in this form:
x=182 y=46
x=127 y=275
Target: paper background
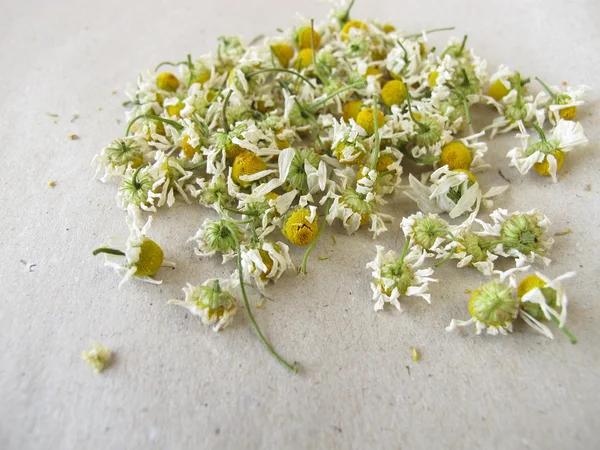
x=176 y=384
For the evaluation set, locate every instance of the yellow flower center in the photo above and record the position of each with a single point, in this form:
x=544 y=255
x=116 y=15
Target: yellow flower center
x=351 y=110
x=174 y=110
x=393 y=93
x=266 y=259
x=366 y=120
x=529 y=283
x=188 y=150
x=284 y=53
x=352 y=24
x=246 y=163
x=304 y=59
x=150 y=260
x=568 y=113
x=456 y=155
x=497 y=90
x=304 y=41
x=372 y=71
x=543 y=168
x=202 y=78
x=432 y=78
x=166 y=81
x=298 y=230
x=384 y=162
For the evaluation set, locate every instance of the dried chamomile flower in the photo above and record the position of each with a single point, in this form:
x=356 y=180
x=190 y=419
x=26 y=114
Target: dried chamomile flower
x=502 y=82
x=170 y=177
x=522 y=236
x=428 y=231
x=136 y=186
x=493 y=308
x=265 y=261
x=300 y=227
x=137 y=256
x=547 y=155
x=215 y=236
x=98 y=357
x=465 y=153
x=213 y=302
x=119 y=155
x=561 y=104
x=545 y=299
x=395 y=276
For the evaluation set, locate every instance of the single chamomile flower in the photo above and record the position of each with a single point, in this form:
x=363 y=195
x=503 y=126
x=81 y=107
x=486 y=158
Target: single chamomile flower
x=217 y=236
x=121 y=154
x=428 y=231
x=493 y=308
x=522 y=236
x=395 y=276
x=213 y=302
x=547 y=155
x=544 y=299
x=170 y=176
x=561 y=103
x=138 y=256
x=136 y=187
x=265 y=261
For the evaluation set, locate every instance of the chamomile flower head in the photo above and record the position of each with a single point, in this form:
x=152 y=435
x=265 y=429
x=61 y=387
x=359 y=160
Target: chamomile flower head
x=213 y=193
x=135 y=188
x=170 y=177
x=544 y=299
x=300 y=227
x=214 y=236
x=137 y=256
x=547 y=155
x=265 y=261
x=302 y=170
x=166 y=81
x=248 y=167
x=399 y=276
x=493 y=308
x=501 y=82
x=120 y=155
x=348 y=143
x=561 y=103
x=522 y=235
x=427 y=231
x=463 y=153
x=366 y=120
x=213 y=302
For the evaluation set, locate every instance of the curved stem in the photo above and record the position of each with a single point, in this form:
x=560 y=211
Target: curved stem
x=376 y=132
x=318 y=103
x=564 y=329
x=173 y=123
x=168 y=63
x=414 y=35
x=405 y=57
x=405 y=249
x=110 y=251
x=408 y=99
x=314 y=242
x=134 y=180
x=281 y=69
x=431 y=160
x=346 y=16
x=540 y=132
x=270 y=349
x=546 y=88
x=224 y=111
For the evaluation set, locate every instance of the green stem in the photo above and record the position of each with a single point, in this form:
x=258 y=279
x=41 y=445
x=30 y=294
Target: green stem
x=238 y=211
x=270 y=349
x=376 y=132
x=405 y=57
x=467 y=112
x=443 y=231
x=167 y=63
x=431 y=160
x=281 y=69
x=564 y=329
x=410 y=36
x=314 y=241
x=318 y=103
x=134 y=180
x=173 y=123
x=110 y=251
x=405 y=249
x=423 y=126
x=462 y=46
x=190 y=68
x=346 y=16
x=540 y=132
x=546 y=88
x=256 y=40
x=224 y=111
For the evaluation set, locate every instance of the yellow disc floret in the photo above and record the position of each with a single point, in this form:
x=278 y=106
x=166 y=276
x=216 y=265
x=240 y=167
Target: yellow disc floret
x=497 y=90
x=202 y=77
x=166 y=81
x=150 y=259
x=568 y=113
x=187 y=148
x=351 y=110
x=352 y=24
x=529 y=283
x=456 y=155
x=384 y=162
x=543 y=168
x=246 y=163
x=283 y=52
x=432 y=78
x=175 y=110
x=393 y=93
x=298 y=230
x=366 y=119
x=304 y=59
x=304 y=40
